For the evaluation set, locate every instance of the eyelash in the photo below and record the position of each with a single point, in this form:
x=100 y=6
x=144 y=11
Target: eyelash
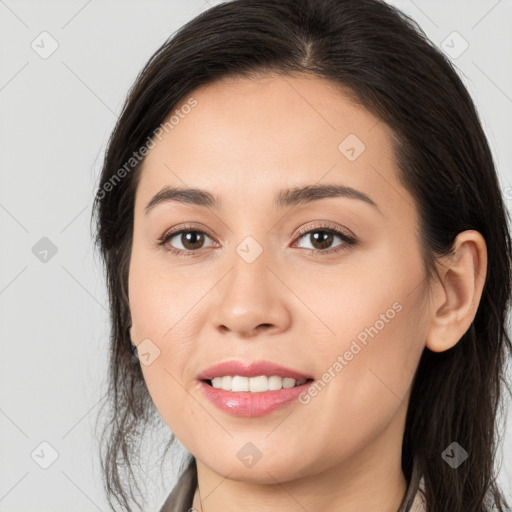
x=348 y=240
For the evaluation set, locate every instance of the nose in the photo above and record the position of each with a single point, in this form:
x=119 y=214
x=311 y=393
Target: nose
x=251 y=299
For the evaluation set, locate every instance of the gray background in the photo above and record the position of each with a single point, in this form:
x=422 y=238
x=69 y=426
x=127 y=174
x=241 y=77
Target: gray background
x=56 y=115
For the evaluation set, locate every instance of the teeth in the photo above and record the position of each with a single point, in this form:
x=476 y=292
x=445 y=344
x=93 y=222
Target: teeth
x=240 y=383
x=226 y=382
x=258 y=384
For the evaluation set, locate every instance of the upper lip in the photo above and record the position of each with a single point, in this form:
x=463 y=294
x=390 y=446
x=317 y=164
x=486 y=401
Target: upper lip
x=250 y=369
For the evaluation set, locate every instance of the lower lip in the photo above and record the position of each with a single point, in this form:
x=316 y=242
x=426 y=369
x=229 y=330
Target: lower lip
x=252 y=404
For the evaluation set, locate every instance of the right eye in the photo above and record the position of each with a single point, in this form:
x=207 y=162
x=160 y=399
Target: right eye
x=191 y=241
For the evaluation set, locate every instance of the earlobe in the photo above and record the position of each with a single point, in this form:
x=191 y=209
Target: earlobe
x=457 y=294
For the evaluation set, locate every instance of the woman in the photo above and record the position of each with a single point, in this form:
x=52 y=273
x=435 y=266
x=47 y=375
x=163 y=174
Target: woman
x=307 y=249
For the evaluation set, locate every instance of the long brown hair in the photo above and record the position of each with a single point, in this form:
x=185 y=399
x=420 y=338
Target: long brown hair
x=383 y=58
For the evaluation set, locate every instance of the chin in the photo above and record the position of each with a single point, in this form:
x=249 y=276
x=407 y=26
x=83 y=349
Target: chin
x=266 y=470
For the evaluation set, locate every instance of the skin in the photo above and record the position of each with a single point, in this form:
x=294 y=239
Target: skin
x=244 y=141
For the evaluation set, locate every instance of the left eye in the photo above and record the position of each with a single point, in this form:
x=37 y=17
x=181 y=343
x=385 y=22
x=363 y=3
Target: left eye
x=322 y=238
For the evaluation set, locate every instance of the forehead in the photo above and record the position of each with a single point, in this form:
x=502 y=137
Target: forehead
x=247 y=137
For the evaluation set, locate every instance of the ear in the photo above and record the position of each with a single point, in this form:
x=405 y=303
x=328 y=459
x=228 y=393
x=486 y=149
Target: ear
x=456 y=296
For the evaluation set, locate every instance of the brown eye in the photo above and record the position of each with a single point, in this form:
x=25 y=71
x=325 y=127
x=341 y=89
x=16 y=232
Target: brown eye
x=322 y=239
x=192 y=239
x=186 y=241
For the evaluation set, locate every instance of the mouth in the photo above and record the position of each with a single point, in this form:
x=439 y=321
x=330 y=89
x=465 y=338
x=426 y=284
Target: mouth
x=260 y=395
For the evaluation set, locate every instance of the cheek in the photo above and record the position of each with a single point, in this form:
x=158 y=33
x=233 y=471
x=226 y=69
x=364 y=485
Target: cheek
x=366 y=365
x=365 y=384
x=159 y=296
x=165 y=325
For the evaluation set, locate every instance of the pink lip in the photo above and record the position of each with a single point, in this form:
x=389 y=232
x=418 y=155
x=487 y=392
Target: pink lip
x=253 y=369
x=252 y=404
x=246 y=403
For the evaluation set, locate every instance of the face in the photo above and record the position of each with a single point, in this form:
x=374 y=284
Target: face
x=331 y=286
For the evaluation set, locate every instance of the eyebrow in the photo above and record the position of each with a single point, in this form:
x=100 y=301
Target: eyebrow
x=286 y=197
